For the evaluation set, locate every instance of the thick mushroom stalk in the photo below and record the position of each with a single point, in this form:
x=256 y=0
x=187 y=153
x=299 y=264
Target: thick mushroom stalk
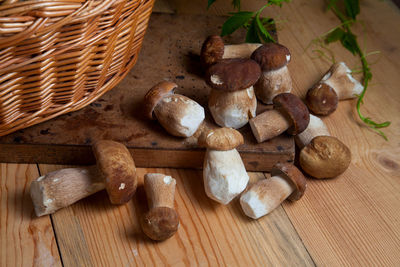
x=316 y=127
x=266 y=195
x=214 y=50
x=161 y=221
x=275 y=78
x=339 y=78
x=337 y=84
x=289 y=114
x=115 y=172
x=178 y=114
x=232 y=101
x=224 y=173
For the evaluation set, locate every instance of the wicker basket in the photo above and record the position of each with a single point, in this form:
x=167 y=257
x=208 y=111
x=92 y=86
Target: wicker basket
x=59 y=56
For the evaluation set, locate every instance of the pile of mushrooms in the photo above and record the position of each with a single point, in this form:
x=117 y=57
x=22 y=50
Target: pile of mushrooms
x=231 y=72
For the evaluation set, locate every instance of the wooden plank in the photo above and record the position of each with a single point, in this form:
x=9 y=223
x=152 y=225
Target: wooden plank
x=209 y=233
x=118 y=114
x=150 y=158
x=25 y=239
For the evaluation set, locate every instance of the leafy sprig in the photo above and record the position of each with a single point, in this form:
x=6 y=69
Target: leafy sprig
x=348 y=39
x=257 y=27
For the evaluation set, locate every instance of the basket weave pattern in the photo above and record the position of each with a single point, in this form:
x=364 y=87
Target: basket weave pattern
x=59 y=56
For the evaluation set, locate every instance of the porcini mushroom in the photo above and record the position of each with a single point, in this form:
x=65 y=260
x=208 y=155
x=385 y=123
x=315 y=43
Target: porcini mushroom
x=337 y=84
x=289 y=114
x=264 y=196
x=115 y=172
x=325 y=157
x=214 y=50
x=161 y=221
x=178 y=114
x=275 y=78
x=232 y=101
x=224 y=173
x=316 y=127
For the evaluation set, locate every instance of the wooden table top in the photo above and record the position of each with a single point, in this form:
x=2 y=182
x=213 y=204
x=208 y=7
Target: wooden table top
x=352 y=220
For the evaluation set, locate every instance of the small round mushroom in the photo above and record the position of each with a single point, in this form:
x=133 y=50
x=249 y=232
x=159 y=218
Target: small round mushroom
x=214 y=50
x=232 y=101
x=289 y=114
x=161 y=221
x=325 y=157
x=178 y=114
x=337 y=84
x=115 y=171
x=275 y=78
x=224 y=173
x=266 y=195
x=316 y=127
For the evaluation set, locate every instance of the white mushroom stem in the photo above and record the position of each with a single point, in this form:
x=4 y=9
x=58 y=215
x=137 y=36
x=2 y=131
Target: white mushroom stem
x=265 y=195
x=64 y=187
x=232 y=109
x=179 y=115
x=160 y=190
x=272 y=83
x=268 y=124
x=316 y=127
x=239 y=50
x=340 y=79
x=224 y=175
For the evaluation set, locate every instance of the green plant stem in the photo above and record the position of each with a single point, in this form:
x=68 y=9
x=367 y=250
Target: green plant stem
x=367 y=75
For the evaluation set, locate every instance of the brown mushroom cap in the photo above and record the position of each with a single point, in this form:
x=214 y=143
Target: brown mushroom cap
x=290 y=172
x=222 y=139
x=271 y=56
x=212 y=50
x=233 y=74
x=155 y=94
x=118 y=170
x=321 y=99
x=325 y=157
x=160 y=223
x=292 y=107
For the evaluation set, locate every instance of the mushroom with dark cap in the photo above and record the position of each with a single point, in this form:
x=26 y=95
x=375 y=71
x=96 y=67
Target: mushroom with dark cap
x=232 y=101
x=161 y=221
x=115 y=171
x=275 y=78
x=224 y=173
x=289 y=114
x=286 y=182
x=316 y=127
x=178 y=114
x=214 y=50
x=337 y=84
x=325 y=157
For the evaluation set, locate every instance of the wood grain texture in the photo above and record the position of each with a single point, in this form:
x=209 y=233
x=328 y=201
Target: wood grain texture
x=24 y=239
x=94 y=233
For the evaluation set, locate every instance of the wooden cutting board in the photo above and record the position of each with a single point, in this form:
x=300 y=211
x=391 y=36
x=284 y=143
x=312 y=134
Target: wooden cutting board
x=170 y=52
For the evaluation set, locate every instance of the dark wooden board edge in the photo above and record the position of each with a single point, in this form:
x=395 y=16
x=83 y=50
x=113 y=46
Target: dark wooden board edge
x=144 y=157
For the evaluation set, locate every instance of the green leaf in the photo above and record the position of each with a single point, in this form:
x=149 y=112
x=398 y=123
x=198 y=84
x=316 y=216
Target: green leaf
x=331 y=4
x=236 y=4
x=334 y=36
x=352 y=8
x=210 y=2
x=252 y=33
x=264 y=33
x=349 y=41
x=278 y=2
x=236 y=21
